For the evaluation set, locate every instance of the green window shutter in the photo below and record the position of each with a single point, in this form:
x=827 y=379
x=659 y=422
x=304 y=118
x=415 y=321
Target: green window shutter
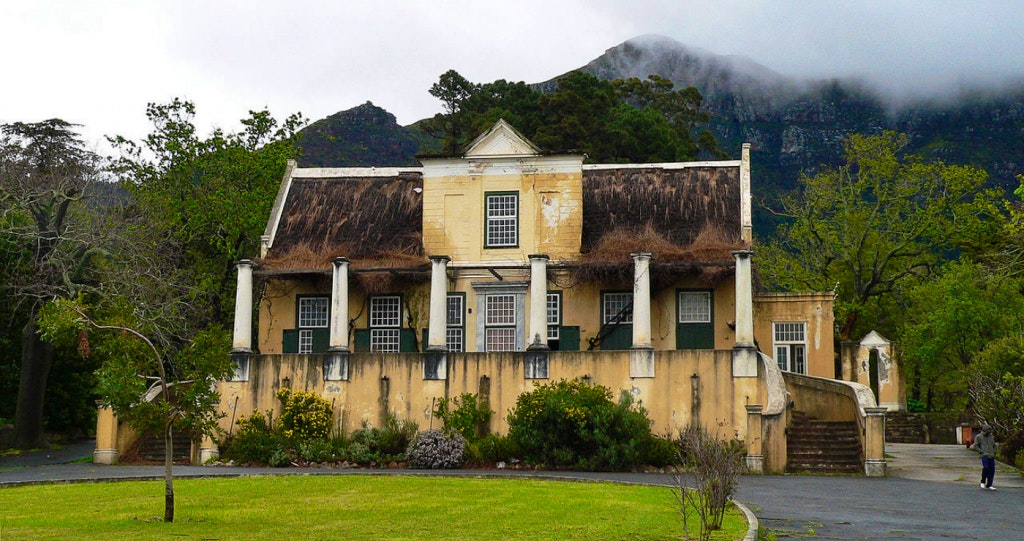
x=426 y=336
x=620 y=337
x=407 y=341
x=290 y=342
x=321 y=340
x=569 y=338
x=695 y=336
x=362 y=340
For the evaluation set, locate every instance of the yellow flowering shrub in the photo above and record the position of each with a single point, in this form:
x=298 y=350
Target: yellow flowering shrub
x=304 y=415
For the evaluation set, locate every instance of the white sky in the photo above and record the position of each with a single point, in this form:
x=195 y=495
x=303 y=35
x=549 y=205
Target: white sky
x=99 y=62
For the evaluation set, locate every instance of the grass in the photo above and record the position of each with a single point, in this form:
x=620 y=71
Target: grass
x=351 y=507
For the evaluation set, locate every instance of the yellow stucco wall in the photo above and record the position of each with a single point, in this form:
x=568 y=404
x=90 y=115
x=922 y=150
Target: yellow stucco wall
x=813 y=309
x=394 y=382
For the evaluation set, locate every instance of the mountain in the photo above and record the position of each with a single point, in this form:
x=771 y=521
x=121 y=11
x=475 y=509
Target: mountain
x=361 y=136
x=795 y=127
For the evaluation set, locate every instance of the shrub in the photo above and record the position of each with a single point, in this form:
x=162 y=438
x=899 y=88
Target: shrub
x=388 y=442
x=464 y=414
x=317 y=450
x=661 y=452
x=574 y=424
x=494 y=448
x=257 y=442
x=304 y=416
x=715 y=466
x=436 y=449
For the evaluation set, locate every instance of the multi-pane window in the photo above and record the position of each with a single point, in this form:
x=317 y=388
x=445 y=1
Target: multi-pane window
x=500 y=322
x=455 y=333
x=312 y=315
x=554 y=310
x=617 y=308
x=385 y=323
x=790 y=345
x=694 y=307
x=502 y=220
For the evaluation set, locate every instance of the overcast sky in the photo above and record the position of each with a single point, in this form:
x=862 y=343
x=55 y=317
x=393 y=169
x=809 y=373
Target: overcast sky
x=99 y=62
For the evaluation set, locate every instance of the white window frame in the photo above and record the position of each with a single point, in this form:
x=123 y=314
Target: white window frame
x=789 y=343
x=622 y=299
x=502 y=220
x=455 y=330
x=313 y=313
x=385 y=324
x=500 y=322
x=698 y=308
x=554 y=314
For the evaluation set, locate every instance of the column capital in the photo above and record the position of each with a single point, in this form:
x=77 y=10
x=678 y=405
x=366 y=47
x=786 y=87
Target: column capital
x=440 y=259
x=339 y=261
x=742 y=253
x=539 y=256
x=754 y=408
x=641 y=255
x=875 y=411
x=245 y=263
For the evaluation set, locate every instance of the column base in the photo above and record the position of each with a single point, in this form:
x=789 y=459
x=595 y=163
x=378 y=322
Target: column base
x=336 y=364
x=535 y=363
x=641 y=363
x=755 y=463
x=104 y=456
x=744 y=361
x=435 y=364
x=875 y=468
x=206 y=454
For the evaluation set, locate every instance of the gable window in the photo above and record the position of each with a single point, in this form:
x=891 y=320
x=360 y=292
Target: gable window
x=455 y=332
x=500 y=322
x=790 y=346
x=694 y=327
x=312 y=319
x=502 y=222
x=385 y=323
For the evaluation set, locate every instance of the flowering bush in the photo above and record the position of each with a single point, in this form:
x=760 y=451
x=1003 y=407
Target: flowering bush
x=436 y=449
x=465 y=414
x=304 y=416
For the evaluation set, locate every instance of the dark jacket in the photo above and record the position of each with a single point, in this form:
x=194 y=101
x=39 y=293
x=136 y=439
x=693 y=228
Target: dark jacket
x=985 y=444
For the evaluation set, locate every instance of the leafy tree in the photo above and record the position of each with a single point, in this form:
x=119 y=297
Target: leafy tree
x=48 y=247
x=951 y=322
x=204 y=201
x=153 y=391
x=875 y=226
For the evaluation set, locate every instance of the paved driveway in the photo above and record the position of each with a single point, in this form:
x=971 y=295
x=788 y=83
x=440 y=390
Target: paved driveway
x=931 y=493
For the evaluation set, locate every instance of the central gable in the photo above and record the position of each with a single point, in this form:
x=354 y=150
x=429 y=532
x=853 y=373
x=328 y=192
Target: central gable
x=501 y=140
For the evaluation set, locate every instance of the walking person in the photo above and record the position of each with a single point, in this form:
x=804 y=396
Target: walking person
x=985 y=444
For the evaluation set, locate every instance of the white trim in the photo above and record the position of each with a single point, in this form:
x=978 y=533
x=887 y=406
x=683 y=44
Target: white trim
x=668 y=165
x=501 y=165
x=352 y=172
x=275 y=213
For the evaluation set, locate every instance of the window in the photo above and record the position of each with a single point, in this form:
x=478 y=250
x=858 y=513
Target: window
x=385 y=324
x=502 y=227
x=617 y=308
x=694 y=307
x=554 y=315
x=313 y=314
x=456 y=326
x=500 y=322
x=790 y=346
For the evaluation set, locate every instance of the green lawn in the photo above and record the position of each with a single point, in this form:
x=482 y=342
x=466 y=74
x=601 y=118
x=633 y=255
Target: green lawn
x=349 y=507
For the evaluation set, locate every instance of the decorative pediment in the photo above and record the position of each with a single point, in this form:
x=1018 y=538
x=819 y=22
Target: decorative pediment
x=501 y=140
x=874 y=340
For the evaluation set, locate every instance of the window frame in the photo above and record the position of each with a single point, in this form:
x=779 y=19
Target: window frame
x=708 y=305
x=305 y=332
x=555 y=324
x=604 y=313
x=488 y=219
x=460 y=327
x=790 y=346
x=505 y=326
x=392 y=329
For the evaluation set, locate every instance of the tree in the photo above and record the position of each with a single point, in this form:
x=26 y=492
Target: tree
x=204 y=201
x=951 y=322
x=48 y=245
x=151 y=390
x=875 y=226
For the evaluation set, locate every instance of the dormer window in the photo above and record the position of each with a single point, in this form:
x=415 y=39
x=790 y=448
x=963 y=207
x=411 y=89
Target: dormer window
x=502 y=224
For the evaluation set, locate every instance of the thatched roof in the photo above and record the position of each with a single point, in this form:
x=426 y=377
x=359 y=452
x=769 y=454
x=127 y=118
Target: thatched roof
x=375 y=221
x=678 y=202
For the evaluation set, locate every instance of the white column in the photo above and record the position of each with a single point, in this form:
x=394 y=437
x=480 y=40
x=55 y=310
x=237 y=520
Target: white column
x=339 y=305
x=746 y=215
x=437 y=335
x=642 y=300
x=242 y=338
x=538 y=330
x=744 y=300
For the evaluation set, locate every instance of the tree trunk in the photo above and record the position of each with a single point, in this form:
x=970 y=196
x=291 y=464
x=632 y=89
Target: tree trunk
x=168 y=474
x=36 y=361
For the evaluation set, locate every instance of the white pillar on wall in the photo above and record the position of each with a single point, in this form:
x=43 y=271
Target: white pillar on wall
x=242 y=338
x=744 y=300
x=746 y=212
x=538 y=330
x=339 y=305
x=642 y=300
x=437 y=333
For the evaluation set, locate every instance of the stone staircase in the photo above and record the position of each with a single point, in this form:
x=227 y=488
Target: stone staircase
x=815 y=446
x=150 y=449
